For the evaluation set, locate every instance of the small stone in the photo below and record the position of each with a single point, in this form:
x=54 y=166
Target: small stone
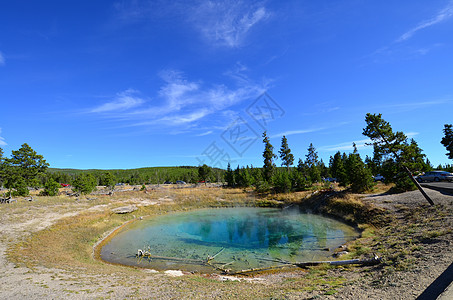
x=174 y=273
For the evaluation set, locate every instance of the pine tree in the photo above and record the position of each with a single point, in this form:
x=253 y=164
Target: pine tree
x=358 y=173
x=447 y=140
x=282 y=183
x=229 y=176
x=27 y=163
x=313 y=164
x=269 y=156
x=204 y=172
x=108 y=180
x=285 y=154
x=22 y=169
x=396 y=154
x=51 y=188
x=84 y=183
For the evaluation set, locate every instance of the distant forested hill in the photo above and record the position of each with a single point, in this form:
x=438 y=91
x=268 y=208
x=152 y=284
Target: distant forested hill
x=151 y=175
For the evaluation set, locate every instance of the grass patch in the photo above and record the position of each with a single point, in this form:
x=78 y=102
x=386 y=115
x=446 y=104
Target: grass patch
x=68 y=244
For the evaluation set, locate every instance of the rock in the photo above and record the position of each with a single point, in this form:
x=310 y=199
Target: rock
x=174 y=273
x=124 y=209
x=341 y=253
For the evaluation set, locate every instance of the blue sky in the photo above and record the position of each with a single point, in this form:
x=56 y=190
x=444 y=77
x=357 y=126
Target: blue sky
x=125 y=84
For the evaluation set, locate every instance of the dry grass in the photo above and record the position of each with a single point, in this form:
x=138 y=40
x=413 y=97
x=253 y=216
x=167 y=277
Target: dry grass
x=68 y=244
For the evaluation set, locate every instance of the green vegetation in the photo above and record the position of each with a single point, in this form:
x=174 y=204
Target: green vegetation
x=269 y=156
x=447 y=140
x=21 y=170
x=285 y=154
x=84 y=183
x=204 y=172
x=393 y=152
x=51 y=188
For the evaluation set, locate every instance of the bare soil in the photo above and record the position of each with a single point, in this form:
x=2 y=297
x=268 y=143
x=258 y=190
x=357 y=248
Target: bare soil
x=416 y=248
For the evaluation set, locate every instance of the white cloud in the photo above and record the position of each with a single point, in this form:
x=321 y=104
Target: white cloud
x=224 y=23
x=227 y=22
x=123 y=101
x=205 y=133
x=2 y=59
x=2 y=140
x=360 y=144
x=443 y=15
x=345 y=146
x=179 y=102
x=400 y=50
x=292 y=132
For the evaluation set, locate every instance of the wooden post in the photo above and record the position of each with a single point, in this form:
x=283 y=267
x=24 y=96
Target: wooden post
x=419 y=187
x=417 y=184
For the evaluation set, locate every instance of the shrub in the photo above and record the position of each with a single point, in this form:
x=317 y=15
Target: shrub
x=85 y=183
x=51 y=188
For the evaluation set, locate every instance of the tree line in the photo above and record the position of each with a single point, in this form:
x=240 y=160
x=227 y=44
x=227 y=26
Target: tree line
x=393 y=151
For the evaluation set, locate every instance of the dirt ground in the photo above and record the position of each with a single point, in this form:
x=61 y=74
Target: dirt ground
x=405 y=276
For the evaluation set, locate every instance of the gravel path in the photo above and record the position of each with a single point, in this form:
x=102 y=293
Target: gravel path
x=435 y=257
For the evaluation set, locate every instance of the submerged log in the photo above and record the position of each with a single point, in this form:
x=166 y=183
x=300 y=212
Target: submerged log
x=363 y=262
x=220 y=266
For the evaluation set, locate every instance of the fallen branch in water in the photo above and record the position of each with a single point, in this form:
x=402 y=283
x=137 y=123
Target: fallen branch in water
x=363 y=262
x=283 y=263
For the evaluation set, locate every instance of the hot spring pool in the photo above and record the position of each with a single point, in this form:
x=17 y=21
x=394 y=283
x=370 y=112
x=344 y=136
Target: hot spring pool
x=249 y=237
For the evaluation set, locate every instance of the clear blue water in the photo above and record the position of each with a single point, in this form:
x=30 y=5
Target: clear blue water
x=250 y=238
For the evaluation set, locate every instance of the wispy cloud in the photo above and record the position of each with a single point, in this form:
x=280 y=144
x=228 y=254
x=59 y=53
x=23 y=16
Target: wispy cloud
x=443 y=15
x=346 y=146
x=205 y=133
x=360 y=144
x=123 y=101
x=179 y=101
x=2 y=59
x=409 y=106
x=293 y=132
x=399 y=48
x=220 y=23
x=228 y=22
x=2 y=140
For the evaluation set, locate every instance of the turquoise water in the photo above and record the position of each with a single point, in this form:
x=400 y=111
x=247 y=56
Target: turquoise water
x=249 y=237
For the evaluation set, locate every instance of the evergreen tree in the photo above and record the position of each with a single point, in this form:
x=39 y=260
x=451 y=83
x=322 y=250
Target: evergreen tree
x=429 y=165
x=303 y=169
x=282 y=183
x=27 y=163
x=269 y=156
x=358 y=174
x=298 y=181
x=313 y=164
x=108 y=180
x=229 y=176
x=447 y=140
x=242 y=177
x=84 y=183
x=334 y=164
x=1 y=167
x=22 y=169
x=51 y=188
x=285 y=154
x=204 y=172
x=324 y=171
x=394 y=151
